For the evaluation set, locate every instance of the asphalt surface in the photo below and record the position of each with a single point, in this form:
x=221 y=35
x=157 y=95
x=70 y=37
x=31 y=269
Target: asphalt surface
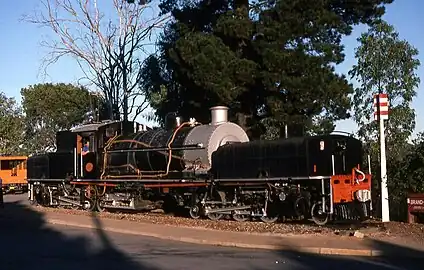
x=26 y=242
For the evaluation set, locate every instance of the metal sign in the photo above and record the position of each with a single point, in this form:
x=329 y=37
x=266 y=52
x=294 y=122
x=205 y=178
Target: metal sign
x=381 y=107
x=415 y=203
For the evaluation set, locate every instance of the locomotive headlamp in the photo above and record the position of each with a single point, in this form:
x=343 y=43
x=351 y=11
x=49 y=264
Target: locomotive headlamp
x=282 y=196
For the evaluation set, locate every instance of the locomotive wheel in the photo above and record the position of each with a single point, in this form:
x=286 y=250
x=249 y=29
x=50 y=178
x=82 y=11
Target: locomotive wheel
x=267 y=219
x=240 y=217
x=195 y=208
x=99 y=205
x=218 y=196
x=90 y=201
x=194 y=212
x=301 y=208
x=318 y=215
x=271 y=215
x=89 y=205
x=44 y=196
x=215 y=216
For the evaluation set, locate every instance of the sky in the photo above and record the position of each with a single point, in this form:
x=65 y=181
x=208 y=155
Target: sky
x=21 y=52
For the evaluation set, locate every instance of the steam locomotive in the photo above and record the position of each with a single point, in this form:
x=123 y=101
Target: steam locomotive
x=212 y=170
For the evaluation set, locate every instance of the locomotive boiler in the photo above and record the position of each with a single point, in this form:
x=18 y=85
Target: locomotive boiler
x=181 y=147
x=212 y=170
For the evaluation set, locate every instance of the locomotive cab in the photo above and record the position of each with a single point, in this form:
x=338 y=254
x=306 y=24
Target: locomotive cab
x=91 y=140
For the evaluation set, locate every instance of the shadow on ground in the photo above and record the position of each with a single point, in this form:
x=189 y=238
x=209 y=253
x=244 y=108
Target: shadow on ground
x=26 y=243
x=392 y=256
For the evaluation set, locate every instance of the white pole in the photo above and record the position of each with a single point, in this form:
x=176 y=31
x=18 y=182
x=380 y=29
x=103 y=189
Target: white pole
x=369 y=164
x=385 y=216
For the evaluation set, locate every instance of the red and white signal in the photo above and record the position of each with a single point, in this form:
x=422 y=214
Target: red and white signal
x=381 y=107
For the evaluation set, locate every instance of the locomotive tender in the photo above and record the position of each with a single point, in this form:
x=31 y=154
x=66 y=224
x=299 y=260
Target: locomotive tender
x=210 y=169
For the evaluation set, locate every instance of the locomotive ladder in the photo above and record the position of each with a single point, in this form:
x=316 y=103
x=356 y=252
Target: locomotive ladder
x=323 y=191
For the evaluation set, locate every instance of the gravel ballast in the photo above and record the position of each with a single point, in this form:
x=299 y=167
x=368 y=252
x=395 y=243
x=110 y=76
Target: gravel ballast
x=371 y=229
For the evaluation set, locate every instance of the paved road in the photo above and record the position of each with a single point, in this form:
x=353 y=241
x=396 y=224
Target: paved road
x=28 y=243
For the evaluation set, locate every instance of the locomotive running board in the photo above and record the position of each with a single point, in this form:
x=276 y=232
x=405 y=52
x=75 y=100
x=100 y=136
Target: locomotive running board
x=271 y=179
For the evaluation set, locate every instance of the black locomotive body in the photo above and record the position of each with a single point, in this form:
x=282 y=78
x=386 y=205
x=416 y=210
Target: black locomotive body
x=291 y=157
x=211 y=169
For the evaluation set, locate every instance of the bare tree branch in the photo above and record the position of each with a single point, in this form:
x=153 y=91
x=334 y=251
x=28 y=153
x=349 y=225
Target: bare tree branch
x=107 y=39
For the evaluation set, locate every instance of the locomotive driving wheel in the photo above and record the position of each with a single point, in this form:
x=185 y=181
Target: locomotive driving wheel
x=269 y=211
x=100 y=198
x=240 y=217
x=220 y=197
x=271 y=215
x=90 y=198
x=215 y=216
x=319 y=216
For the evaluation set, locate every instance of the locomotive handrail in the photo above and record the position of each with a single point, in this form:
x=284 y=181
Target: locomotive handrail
x=151 y=149
x=342 y=132
x=361 y=173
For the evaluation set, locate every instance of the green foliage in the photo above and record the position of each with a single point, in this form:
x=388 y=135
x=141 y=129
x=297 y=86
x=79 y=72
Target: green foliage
x=405 y=175
x=410 y=171
x=50 y=108
x=11 y=126
x=271 y=63
x=388 y=64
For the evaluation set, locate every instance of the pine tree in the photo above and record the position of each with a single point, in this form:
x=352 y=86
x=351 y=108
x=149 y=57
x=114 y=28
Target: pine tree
x=271 y=62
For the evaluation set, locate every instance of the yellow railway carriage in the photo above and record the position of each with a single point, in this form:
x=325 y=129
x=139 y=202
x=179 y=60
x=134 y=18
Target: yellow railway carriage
x=13 y=172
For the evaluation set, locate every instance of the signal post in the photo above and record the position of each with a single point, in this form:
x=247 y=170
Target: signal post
x=381 y=113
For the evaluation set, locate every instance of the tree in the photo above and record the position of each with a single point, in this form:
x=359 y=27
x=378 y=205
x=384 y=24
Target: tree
x=11 y=126
x=387 y=64
x=50 y=108
x=271 y=63
x=406 y=176
x=108 y=48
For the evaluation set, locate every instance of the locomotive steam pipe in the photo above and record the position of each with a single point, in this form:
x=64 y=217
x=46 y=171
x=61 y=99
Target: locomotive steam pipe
x=150 y=149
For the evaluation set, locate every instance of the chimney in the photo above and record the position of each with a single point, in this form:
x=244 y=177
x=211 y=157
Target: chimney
x=219 y=115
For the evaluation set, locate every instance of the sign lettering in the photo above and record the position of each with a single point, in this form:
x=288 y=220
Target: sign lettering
x=416 y=202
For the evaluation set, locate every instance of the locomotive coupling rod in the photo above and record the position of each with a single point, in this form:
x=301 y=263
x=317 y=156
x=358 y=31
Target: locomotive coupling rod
x=151 y=149
x=211 y=211
x=68 y=201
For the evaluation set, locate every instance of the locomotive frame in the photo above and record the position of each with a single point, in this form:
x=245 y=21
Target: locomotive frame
x=90 y=181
